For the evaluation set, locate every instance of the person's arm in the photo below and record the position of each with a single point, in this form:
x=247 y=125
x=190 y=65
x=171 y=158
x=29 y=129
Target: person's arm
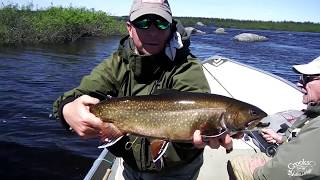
x=291 y=158
x=73 y=107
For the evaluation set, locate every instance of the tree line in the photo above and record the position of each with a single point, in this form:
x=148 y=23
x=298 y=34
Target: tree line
x=54 y=25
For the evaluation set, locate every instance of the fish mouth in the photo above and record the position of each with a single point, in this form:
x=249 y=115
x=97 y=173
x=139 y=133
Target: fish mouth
x=263 y=124
x=256 y=123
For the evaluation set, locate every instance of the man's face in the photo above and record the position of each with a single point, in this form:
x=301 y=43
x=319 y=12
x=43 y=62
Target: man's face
x=150 y=36
x=310 y=86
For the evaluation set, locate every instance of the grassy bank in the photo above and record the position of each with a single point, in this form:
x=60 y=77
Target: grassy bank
x=54 y=25
x=264 y=25
x=19 y=25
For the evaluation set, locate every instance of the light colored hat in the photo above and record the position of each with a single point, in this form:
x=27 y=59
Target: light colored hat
x=158 y=7
x=311 y=68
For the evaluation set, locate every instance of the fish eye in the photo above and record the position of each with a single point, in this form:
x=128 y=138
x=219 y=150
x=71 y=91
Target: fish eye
x=253 y=112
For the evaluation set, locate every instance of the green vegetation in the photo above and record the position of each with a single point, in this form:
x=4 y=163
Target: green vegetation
x=54 y=25
x=241 y=24
x=19 y=25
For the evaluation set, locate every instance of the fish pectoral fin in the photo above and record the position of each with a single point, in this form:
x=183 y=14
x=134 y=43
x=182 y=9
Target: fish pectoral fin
x=109 y=142
x=206 y=138
x=158 y=148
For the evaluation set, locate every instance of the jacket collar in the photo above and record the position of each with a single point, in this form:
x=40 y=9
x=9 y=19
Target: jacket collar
x=313 y=110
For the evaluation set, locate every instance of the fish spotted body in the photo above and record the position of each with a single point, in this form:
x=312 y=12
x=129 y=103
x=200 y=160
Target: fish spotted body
x=175 y=116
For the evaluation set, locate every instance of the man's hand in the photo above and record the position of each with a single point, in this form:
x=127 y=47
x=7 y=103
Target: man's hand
x=271 y=136
x=77 y=114
x=225 y=140
x=256 y=163
x=79 y=118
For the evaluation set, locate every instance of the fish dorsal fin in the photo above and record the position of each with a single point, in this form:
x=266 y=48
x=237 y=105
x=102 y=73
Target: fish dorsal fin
x=158 y=148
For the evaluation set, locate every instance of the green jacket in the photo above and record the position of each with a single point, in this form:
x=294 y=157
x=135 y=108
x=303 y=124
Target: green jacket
x=299 y=158
x=127 y=74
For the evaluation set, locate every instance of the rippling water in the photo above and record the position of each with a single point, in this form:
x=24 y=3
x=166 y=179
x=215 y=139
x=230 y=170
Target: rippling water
x=35 y=146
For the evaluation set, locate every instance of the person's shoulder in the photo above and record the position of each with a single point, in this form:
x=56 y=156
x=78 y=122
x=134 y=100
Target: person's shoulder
x=193 y=59
x=312 y=127
x=315 y=122
x=113 y=63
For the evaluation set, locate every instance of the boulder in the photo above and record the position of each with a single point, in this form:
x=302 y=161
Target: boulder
x=220 y=31
x=192 y=30
x=200 y=24
x=250 y=37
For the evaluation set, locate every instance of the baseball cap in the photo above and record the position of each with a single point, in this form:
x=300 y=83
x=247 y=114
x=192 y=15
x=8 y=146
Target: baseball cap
x=310 y=68
x=158 y=7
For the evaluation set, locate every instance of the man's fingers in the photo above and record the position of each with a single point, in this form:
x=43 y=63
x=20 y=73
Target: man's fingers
x=197 y=140
x=272 y=141
x=95 y=122
x=88 y=132
x=264 y=130
x=267 y=131
x=256 y=163
x=88 y=100
x=223 y=140
x=226 y=142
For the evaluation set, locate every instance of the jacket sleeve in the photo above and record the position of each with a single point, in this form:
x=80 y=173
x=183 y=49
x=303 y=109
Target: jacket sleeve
x=190 y=77
x=298 y=158
x=103 y=80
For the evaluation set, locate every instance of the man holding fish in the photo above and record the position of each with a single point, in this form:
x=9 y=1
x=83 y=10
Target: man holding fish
x=175 y=125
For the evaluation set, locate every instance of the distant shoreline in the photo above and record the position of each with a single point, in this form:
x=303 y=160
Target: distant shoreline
x=246 y=24
x=61 y=25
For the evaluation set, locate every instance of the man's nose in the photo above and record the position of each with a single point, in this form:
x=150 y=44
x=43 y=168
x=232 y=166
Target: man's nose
x=153 y=29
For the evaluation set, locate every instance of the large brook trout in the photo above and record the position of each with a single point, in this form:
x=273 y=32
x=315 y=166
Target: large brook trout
x=175 y=116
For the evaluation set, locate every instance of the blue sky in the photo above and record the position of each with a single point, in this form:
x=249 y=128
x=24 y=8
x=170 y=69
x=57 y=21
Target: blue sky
x=274 y=10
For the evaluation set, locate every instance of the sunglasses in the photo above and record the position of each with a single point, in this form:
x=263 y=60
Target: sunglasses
x=145 y=22
x=304 y=79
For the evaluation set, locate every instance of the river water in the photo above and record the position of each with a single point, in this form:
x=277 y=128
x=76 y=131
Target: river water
x=35 y=146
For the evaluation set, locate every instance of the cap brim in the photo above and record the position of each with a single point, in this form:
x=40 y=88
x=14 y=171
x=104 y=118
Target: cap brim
x=307 y=69
x=158 y=11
